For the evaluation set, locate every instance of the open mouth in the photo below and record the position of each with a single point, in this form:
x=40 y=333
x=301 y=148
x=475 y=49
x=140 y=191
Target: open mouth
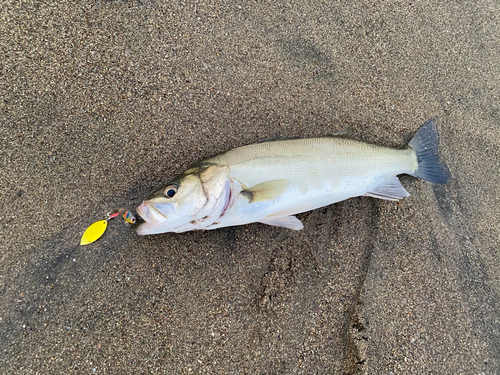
x=150 y=214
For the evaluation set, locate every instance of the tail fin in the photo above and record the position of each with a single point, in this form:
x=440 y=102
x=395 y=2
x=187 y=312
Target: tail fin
x=425 y=144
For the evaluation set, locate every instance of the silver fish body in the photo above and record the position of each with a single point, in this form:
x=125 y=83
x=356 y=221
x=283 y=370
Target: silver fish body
x=271 y=181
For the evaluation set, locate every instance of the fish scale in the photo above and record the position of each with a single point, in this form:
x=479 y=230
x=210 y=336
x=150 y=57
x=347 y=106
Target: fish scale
x=313 y=160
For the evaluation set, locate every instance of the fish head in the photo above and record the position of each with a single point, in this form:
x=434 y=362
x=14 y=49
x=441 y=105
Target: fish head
x=180 y=205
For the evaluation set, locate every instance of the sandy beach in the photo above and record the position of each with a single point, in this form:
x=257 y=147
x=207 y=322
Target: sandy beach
x=102 y=101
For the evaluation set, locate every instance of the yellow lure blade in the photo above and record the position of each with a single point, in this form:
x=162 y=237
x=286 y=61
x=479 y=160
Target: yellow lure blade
x=94 y=232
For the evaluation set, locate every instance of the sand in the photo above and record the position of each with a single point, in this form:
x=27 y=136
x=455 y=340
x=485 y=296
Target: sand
x=101 y=101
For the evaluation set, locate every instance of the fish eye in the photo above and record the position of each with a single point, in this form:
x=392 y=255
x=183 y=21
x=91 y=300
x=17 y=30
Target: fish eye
x=170 y=191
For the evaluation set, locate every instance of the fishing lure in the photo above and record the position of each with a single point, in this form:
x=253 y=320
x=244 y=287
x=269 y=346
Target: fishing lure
x=129 y=217
x=96 y=230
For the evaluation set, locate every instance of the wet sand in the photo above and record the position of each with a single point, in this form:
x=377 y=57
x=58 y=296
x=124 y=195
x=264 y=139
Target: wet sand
x=101 y=101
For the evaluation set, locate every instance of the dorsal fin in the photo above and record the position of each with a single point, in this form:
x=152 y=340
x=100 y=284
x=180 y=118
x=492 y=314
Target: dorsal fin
x=347 y=133
x=273 y=139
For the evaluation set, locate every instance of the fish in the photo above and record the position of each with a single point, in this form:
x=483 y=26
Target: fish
x=271 y=181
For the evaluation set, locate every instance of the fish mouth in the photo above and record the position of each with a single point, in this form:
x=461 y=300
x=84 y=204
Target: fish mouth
x=150 y=214
x=145 y=228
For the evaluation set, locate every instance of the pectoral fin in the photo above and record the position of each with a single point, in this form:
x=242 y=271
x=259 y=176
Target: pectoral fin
x=390 y=189
x=290 y=222
x=265 y=191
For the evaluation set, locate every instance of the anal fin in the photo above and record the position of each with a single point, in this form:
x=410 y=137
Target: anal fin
x=290 y=222
x=390 y=189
